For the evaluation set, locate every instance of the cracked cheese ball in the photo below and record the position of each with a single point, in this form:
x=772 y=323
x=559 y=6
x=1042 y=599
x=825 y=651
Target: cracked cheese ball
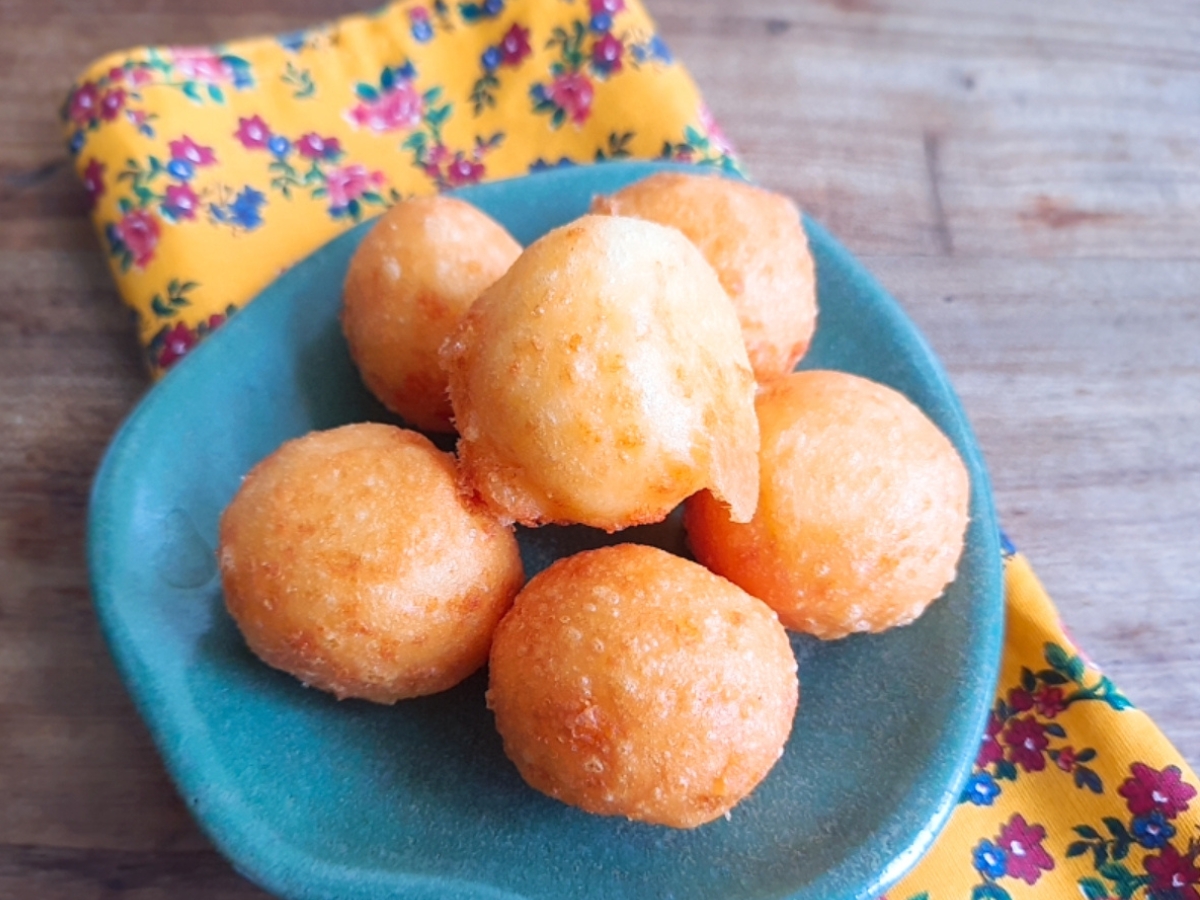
x=414 y=275
x=348 y=560
x=602 y=380
x=862 y=511
x=631 y=682
x=754 y=240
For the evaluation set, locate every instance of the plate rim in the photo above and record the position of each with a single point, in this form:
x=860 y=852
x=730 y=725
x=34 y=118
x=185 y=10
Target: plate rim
x=276 y=865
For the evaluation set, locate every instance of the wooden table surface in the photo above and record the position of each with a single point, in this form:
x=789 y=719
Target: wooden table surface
x=1025 y=177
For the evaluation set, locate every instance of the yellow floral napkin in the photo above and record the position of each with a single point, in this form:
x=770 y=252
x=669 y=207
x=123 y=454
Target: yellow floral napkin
x=1074 y=793
x=212 y=169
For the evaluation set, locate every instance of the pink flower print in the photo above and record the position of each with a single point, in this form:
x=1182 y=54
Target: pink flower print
x=179 y=340
x=419 y=24
x=401 y=107
x=1049 y=701
x=1025 y=858
x=1026 y=739
x=1020 y=700
x=572 y=92
x=464 y=171
x=141 y=75
x=1173 y=874
x=514 y=46
x=990 y=750
x=437 y=155
x=253 y=133
x=611 y=7
x=84 y=104
x=1150 y=790
x=710 y=127
x=199 y=64
x=139 y=231
x=181 y=202
x=606 y=54
x=349 y=183
x=189 y=151
x=313 y=146
x=1066 y=759
x=93 y=181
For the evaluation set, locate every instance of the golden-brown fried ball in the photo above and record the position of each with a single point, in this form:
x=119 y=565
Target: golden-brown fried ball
x=348 y=560
x=630 y=682
x=602 y=380
x=754 y=240
x=414 y=275
x=862 y=510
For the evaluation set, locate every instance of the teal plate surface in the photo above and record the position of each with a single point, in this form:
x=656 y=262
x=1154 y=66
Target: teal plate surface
x=312 y=798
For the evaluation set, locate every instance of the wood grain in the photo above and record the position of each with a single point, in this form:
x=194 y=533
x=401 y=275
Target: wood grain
x=1025 y=177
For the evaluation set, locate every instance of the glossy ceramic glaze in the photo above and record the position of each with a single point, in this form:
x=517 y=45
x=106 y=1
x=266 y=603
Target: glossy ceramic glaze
x=313 y=798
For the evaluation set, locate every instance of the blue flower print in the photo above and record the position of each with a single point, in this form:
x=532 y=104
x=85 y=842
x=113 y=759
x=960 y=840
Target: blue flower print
x=981 y=789
x=989 y=860
x=1153 y=831
x=659 y=49
x=181 y=169
x=492 y=59
x=601 y=22
x=1006 y=546
x=654 y=50
x=422 y=31
x=493 y=7
x=293 y=41
x=242 y=78
x=245 y=209
x=279 y=145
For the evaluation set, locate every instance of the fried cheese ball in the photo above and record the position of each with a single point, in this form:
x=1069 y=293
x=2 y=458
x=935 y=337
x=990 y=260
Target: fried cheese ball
x=861 y=515
x=349 y=560
x=414 y=275
x=631 y=682
x=754 y=240
x=602 y=380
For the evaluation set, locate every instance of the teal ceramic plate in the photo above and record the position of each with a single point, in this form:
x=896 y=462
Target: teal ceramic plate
x=312 y=798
